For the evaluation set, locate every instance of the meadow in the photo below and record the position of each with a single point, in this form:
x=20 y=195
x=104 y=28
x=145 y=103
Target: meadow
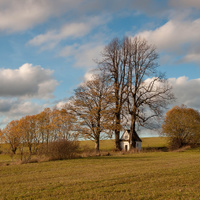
x=108 y=145
x=144 y=175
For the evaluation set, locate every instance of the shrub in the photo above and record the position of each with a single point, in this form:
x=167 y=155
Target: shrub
x=59 y=150
x=182 y=126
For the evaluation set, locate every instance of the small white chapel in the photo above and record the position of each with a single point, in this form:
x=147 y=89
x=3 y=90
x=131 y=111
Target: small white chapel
x=125 y=141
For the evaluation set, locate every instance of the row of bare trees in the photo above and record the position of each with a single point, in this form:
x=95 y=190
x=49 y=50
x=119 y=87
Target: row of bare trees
x=126 y=90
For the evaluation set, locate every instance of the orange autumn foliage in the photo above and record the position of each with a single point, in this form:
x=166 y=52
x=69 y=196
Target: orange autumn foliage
x=182 y=126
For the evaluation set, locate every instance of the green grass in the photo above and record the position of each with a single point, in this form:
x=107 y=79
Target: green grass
x=156 y=175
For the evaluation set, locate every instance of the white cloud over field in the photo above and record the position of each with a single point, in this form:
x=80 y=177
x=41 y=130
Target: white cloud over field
x=18 y=88
x=83 y=55
x=27 y=81
x=185 y=3
x=69 y=30
x=186 y=91
x=12 y=109
x=23 y=14
x=178 y=37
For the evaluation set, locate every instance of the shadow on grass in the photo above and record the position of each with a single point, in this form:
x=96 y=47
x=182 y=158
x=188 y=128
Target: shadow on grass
x=121 y=154
x=155 y=149
x=123 y=157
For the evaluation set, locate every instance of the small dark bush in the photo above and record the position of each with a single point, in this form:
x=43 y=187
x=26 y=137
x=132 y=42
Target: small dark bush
x=176 y=143
x=155 y=149
x=59 y=150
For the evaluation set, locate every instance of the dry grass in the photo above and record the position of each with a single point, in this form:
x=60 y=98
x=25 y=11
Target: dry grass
x=109 y=145
x=86 y=148
x=154 y=142
x=145 y=175
x=105 y=145
x=156 y=175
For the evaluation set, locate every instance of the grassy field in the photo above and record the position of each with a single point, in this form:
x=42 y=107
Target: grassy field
x=152 y=175
x=109 y=145
x=156 y=175
x=88 y=146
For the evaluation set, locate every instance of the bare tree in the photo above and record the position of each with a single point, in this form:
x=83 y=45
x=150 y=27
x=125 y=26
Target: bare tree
x=91 y=106
x=114 y=62
x=140 y=92
x=148 y=92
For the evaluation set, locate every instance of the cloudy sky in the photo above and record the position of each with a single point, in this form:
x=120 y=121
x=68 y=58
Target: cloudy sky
x=48 y=47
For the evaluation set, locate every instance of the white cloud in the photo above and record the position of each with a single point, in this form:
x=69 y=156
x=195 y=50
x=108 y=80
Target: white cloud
x=192 y=57
x=72 y=30
x=12 y=109
x=150 y=7
x=173 y=35
x=88 y=76
x=15 y=107
x=186 y=91
x=60 y=104
x=83 y=55
x=179 y=37
x=5 y=105
x=185 y=3
x=27 y=81
x=23 y=14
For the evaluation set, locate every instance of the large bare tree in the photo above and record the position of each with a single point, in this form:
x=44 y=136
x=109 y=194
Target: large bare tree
x=139 y=90
x=148 y=91
x=91 y=104
x=114 y=62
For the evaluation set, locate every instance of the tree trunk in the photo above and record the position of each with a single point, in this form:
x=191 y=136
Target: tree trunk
x=14 y=150
x=30 y=148
x=117 y=131
x=97 y=145
x=22 y=151
x=132 y=131
x=117 y=142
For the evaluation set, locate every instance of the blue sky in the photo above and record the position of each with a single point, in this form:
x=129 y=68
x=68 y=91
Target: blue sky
x=48 y=47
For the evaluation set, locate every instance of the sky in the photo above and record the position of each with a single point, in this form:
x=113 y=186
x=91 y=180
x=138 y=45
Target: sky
x=48 y=47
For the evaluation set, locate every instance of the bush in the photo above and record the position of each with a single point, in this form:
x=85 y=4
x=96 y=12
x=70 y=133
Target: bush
x=181 y=126
x=176 y=143
x=59 y=150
